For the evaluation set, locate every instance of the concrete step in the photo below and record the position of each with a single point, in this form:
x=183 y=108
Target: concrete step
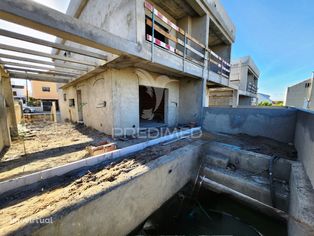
x=248 y=160
x=216 y=160
x=245 y=182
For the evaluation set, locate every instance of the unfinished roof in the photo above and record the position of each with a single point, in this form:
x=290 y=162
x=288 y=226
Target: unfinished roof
x=246 y=61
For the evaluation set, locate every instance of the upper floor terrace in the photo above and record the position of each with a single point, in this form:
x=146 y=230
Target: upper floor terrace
x=193 y=33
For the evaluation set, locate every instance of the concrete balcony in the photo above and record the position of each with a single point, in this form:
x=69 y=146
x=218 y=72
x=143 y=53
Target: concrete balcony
x=178 y=39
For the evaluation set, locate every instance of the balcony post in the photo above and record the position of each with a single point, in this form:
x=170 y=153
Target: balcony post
x=153 y=32
x=221 y=67
x=209 y=63
x=184 y=51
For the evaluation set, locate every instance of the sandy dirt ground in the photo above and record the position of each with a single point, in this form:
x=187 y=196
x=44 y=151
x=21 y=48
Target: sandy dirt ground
x=49 y=145
x=16 y=210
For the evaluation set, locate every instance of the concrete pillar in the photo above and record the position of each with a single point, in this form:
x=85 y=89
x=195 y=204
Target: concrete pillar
x=54 y=112
x=4 y=128
x=235 y=99
x=8 y=96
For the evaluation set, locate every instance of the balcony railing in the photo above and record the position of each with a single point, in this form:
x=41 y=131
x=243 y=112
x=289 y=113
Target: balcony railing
x=199 y=53
x=252 y=88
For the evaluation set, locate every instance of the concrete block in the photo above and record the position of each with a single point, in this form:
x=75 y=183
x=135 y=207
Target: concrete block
x=301 y=208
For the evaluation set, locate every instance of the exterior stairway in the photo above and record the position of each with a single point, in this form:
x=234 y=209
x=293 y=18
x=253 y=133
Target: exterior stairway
x=247 y=173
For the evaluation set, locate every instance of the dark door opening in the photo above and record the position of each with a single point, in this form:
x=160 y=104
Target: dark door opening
x=151 y=106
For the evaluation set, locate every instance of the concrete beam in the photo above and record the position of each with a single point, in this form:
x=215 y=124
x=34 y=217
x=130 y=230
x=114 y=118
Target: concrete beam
x=56 y=64
x=43 y=54
x=29 y=66
x=38 y=77
x=59 y=46
x=13 y=69
x=45 y=19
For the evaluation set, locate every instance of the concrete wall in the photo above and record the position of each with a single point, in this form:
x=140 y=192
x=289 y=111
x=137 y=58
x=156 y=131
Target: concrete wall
x=119 y=90
x=118 y=210
x=304 y=141
x=38 y=93
x=219 y=97
x=119 y=17
x=126 y=84
x=190 y=100
x=245 y=101
x=278 y=124
x=96 y=102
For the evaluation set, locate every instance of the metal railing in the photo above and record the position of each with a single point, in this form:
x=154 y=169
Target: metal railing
x=199 y=54
x=252 y=88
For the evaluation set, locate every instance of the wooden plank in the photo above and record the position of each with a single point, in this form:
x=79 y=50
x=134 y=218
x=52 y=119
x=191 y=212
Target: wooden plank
x=191 y=48
x=161 y=31
x=42 y=54
x=195 y=40
x=56 y=64
x=59 y=46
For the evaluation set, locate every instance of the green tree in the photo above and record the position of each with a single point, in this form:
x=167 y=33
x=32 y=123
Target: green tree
x=265 y=104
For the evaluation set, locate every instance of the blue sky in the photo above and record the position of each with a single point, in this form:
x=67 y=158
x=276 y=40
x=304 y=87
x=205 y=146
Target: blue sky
x=279 y=35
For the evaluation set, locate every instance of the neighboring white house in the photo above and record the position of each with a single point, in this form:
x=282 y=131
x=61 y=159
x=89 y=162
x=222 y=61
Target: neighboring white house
x=261 y=97
x=18 y=88
x=301 y=95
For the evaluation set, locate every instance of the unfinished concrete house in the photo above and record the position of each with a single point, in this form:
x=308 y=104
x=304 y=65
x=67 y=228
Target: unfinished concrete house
x=243 y=85
x=131 y=64
x=164 y=86
x=244 y=75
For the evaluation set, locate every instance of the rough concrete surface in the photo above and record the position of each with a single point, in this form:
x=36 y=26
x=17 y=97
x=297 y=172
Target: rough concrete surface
x=274 y=123
x=304 y=141
x=111 y=212
x=301 y=210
